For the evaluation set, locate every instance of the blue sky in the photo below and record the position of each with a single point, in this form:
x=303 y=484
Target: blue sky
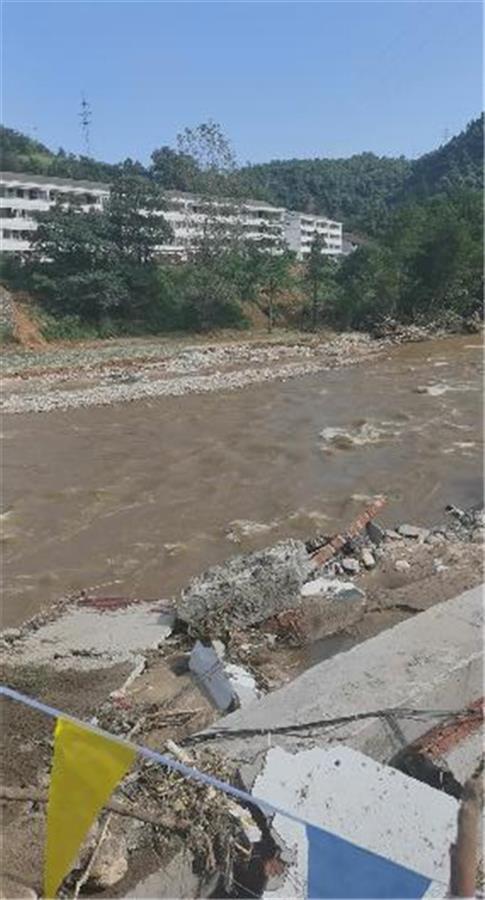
x=284 y=79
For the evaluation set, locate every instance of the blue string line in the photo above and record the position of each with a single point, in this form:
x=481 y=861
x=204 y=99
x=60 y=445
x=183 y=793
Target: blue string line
x=169 y=762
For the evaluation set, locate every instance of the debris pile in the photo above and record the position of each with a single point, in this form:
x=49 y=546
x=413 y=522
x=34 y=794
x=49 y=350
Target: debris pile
x=220 y=838
x=245 y=590
x=293 y=594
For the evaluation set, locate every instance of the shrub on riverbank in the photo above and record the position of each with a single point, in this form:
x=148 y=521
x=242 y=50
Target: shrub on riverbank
x=428 y=267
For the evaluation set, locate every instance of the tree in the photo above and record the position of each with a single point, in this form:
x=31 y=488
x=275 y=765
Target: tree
x=220 y=204
x=174 y=171
x=97 y=262
x=317 y=268
x=73 y=266
x=369 y=283
x=270 y=273
x=209 y=147
x=137 y=226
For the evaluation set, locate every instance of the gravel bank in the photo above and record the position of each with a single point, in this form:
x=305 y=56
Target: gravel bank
x=177 y=371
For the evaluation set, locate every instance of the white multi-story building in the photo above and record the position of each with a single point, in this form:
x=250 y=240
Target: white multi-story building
x=22 y=196
x=300 y=231
x=190 y=216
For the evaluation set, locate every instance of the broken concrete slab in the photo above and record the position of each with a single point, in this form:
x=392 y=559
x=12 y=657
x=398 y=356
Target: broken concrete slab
x=208 y=669
x=432 y=662
x=367 y=803
x=243 y=684
x=335 y=588
x=413 y=531
x=246 y=589
x=90 y=636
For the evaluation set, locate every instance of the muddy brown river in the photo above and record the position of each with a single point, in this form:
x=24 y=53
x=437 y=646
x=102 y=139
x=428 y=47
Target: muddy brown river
x=135 y=498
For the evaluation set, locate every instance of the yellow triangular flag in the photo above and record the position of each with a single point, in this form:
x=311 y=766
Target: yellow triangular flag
x=86 y=769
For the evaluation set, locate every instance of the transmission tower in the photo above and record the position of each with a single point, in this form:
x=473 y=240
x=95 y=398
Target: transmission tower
x=85 y=117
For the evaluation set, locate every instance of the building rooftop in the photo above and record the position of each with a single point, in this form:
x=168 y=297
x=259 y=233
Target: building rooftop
x=31 y=178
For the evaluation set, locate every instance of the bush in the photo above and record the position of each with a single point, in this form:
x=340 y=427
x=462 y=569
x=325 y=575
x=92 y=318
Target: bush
x=66 y=328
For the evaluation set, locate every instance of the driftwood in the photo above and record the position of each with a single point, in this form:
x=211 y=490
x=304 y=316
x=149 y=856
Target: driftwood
x=92 y=859
x=32 y=795
x=464 y=855
x=336 y=543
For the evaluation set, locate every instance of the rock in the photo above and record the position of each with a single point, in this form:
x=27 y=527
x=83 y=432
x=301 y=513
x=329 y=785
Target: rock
x=243 y=684
x=368 y=559
x=219 y=648
x=478 y=536
x=402 y=565
x=439 y=566
x=11 y=634
x=392 y=535
x=412 y=531
x=338 y=605
x=111 y=863
x=175 y=549
x=351 y=566
x=333 y=588
x=434 y=390
x=375 y=533
x=246 y=589
x=242 y=528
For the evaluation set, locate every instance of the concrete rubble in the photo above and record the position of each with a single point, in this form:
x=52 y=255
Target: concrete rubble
x=412 y=823
x=259 y=615
x=92 y=633
x=247 y=589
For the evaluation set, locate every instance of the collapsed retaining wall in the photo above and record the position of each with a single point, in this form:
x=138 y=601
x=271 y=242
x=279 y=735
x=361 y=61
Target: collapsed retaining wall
x=430 y=662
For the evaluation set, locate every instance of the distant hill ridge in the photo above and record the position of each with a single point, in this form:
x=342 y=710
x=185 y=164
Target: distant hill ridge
x=361 y=190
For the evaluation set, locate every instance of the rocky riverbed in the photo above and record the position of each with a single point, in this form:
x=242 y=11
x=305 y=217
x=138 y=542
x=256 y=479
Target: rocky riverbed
x=73 y=378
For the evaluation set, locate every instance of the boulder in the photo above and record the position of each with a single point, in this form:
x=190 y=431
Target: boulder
x=332 y=588
x=413 y=531
x=368 y=559
x=351 y=566
x=246 y=589
x=375 y=533
x=111 y=862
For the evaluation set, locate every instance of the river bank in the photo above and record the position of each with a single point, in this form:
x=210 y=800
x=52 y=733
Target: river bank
x=126 y=666
x=101 y=376
x=132 y=498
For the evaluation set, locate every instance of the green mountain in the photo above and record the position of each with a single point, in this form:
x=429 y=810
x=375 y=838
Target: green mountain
x=356 y=190
x=19 y=153
x=362 y=190
x=457 y=164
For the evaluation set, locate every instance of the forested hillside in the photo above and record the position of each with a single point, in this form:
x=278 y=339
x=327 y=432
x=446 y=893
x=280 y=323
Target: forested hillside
x=362 y=190
x=458 y=164
x=19 y=153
